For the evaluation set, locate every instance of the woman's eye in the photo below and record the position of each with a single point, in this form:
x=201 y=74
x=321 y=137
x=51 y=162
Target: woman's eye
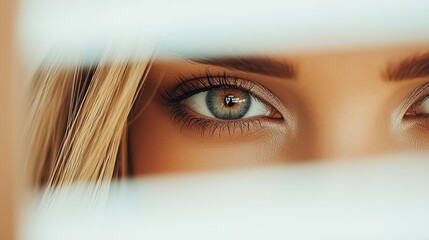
x=419 y=110
x=229 y=104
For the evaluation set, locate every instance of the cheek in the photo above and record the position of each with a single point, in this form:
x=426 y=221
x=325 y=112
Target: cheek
x=412 y=136
x=157 y=145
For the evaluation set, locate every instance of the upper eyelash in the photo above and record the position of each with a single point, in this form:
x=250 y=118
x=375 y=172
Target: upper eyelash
x=196 y=84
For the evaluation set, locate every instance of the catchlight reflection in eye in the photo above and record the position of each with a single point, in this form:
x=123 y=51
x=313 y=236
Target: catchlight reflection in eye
x=226 y=104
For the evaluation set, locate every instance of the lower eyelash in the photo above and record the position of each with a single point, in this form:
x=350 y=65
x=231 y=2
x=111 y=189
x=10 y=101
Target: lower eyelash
x=212 y=126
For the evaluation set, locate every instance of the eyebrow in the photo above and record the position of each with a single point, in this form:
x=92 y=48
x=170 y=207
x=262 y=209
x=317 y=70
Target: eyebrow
x=410 y=68
x=260 y=65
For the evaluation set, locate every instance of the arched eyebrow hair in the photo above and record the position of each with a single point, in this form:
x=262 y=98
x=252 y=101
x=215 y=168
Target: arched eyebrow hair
x=413 y=67
x=416 y=66
x=260 y=65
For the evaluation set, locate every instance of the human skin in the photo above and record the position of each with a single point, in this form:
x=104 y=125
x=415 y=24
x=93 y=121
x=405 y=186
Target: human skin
x=9 y=187
x=336 y=105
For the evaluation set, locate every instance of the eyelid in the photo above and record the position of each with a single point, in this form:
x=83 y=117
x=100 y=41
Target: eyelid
x=197 y=84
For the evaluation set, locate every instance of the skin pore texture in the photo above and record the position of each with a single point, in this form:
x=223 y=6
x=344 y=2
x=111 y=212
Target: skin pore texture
x=321 y=106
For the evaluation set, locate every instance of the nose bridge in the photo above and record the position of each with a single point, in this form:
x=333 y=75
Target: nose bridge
x=343 y=103
x=343 y=133
x=346 y=125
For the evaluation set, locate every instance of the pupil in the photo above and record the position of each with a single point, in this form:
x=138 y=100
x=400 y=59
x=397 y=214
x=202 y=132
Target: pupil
x=229 y=100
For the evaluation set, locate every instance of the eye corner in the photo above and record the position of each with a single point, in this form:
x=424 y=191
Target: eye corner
x=416 y=106
x=275 y=115
x=418 y=110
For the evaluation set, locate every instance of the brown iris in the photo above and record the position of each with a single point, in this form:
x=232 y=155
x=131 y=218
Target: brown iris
x=228 y=104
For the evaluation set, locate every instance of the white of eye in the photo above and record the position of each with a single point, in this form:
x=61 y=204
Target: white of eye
x=197 y=103
x=423 y=108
